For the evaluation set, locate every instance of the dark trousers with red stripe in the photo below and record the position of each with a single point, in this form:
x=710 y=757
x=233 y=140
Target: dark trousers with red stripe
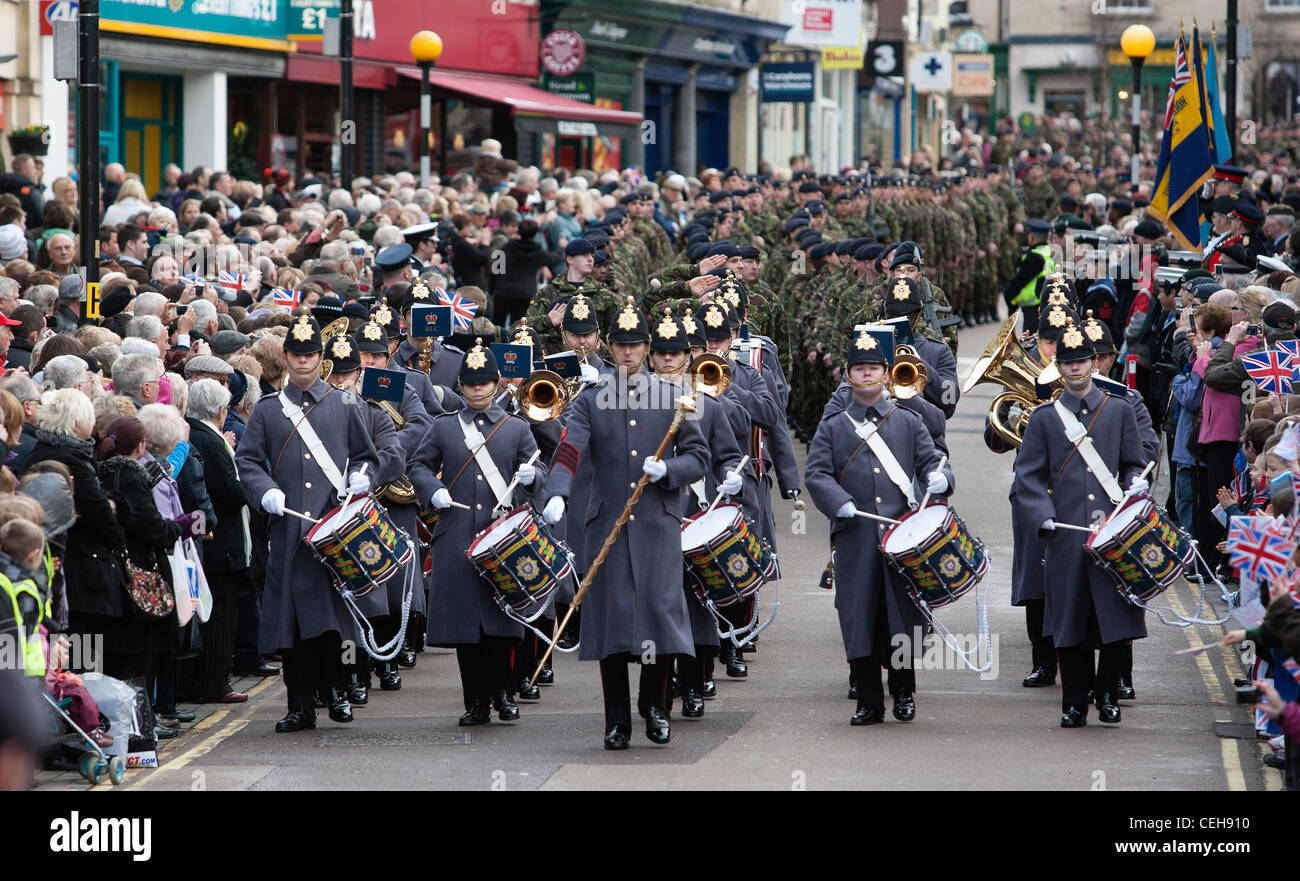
x=618 y=695
x=1083 y=672
x=484 y=667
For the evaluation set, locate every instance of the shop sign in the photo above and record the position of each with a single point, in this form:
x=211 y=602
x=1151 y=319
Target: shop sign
x=57 y=10
x=789 y=83
x=579 y=87
x=822 y=22
x=569 y=128
x=972 y=75
x=842 y=58
x=971 y=41
x=563 y=52
x=261 y=24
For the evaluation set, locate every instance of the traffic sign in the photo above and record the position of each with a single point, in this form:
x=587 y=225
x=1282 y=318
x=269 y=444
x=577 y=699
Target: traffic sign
x=931 y=71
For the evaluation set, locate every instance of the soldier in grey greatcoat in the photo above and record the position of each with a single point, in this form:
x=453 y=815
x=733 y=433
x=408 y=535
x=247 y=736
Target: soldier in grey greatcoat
x=1055 y=484
x=670 y=347
x=879 y=622
x=462 y=610
x=903 y=298
x=636 y=608
x=303 y=617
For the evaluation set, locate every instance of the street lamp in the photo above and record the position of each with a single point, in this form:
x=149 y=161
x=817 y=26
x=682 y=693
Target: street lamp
x=426 y=49
x=1137 y=41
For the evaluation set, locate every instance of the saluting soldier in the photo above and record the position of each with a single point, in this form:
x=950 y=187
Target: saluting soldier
x=477 y=450
x=546 y=310
x=1060 y=482
x=868 y=458
x=636 y=608
x=288 y=459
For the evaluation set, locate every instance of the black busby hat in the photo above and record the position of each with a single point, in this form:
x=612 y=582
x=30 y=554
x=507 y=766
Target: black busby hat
x=712 y=319
x=1099 y=335
x=303 y=337
x=629 y=325
x=342 y=352
x=480 y=365
x=1053 y=321
x=579 y=316
x=904 y=297
x=669 y=335
x=1074 y=345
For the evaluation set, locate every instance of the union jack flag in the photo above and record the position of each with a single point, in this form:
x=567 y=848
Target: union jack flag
x=1258 y=548
x=1240 y=476
x=285 y=297
x=1271 y=369
x=462 y=310
x=233 y=282
x=1292 y=348
x=1182 y=76
x=193 y=278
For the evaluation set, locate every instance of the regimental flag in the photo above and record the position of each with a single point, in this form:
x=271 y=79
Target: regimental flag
x=1222 y=144
x=462 y=310
x=1198 y=68
x=1257 y=548
x=231 y=281
x=1272 y=370
x=1184 y=163
x=285 y=297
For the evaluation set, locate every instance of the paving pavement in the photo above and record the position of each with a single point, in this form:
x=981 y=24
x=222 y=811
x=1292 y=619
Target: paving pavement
x=786 y=726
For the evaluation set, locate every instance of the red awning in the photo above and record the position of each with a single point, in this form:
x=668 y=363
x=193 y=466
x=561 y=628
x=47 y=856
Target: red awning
x=308 y=68
x=522 y=98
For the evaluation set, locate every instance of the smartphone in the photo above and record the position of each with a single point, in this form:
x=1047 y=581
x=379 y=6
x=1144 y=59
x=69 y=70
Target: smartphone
x=180 y=309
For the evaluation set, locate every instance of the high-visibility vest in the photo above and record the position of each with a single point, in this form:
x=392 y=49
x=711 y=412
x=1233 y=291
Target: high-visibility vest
x=1028 y=295
x=29 y=642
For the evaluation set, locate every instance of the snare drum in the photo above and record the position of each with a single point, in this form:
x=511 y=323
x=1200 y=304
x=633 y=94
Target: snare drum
x=360 y=544
x=725 y=557
x=936 y=555
x=1142 y=549
x=521 y=559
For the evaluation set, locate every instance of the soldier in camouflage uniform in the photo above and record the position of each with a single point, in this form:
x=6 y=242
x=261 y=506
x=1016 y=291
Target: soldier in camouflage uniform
x=1040 y=198
x=545 y=311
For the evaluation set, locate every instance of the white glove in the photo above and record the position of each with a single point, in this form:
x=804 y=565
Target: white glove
x=731 y=485
x=846 y=510
x=1137 y=487
x=358 y=484
x=526 y=474
x=273 y=502
x=554 y=510
x=1049 y=525
x=938 y=483
x=589 y=373
x=1013 y=414
x=442 y=498
x=655 y=468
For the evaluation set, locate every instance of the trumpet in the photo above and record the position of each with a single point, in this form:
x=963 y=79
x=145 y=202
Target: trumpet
x=542 y=396
x=710 y=374
x=908 y=376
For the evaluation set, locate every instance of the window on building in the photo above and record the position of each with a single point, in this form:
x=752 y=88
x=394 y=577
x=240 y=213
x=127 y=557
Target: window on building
x=1281 y=91
x=1121 y=6
x=1282 y=5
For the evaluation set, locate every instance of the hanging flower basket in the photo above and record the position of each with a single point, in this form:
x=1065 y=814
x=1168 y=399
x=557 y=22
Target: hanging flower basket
x=34 y=139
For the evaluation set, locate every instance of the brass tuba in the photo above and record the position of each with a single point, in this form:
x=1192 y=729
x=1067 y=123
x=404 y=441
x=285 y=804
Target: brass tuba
x=542 y=396
x=1006 y=363
x=908 y=376
x=710 y=374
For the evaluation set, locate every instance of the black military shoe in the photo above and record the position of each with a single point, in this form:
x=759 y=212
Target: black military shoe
x=868 y=716
x=736 y=668
x=507 y=709
x=406 y=657
x=656 y=725
x=1126 y=692
x=318 y=702
x=970 y=319
x=1107 y=709
x=853 y=687
x=479 y=713
x=692 y=704
x=547 y=676
x=1040 y=678
x=296 y=720
x=710 y=689
x=529 y=692
x=340 y=709
x=618 y=737
x=904 y=706
x=1074 y=717
x=389 y=678
x=358 y=692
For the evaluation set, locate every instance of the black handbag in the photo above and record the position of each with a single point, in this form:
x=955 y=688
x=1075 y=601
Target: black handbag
x=191 y=640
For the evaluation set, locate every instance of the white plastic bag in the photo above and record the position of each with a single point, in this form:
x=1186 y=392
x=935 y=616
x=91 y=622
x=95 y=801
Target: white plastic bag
x=116 y=702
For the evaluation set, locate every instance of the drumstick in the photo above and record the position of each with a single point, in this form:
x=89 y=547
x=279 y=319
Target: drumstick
x=718 y=497
x=875 y=517
x=1142 y=476
x=505 y=497
x=926 y=498
x=459 y=505
x=301 y=516
x=1060 y=525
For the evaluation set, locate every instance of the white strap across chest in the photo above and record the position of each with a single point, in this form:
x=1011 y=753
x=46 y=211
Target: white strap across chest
x=475 y=443
x=312 y=441
x=871 y=434
x=1076 y=434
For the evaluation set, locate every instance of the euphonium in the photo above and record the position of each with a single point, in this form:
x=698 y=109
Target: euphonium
x=908 y=376
x=542 y=396
x=710 y=374
x=1005 y=363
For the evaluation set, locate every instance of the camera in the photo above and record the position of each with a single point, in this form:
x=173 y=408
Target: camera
x=1254 y=330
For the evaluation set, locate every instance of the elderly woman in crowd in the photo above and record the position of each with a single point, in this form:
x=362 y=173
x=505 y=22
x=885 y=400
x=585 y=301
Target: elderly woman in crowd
x=67 y=372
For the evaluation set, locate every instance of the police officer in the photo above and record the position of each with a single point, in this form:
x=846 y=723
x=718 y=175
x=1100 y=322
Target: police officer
x=847 y=473
x=1022 y=290
x=1060 y=482
x=423 y=239
x=289 y=459
x=394 y=264
x=476 y=450
x=636 y=609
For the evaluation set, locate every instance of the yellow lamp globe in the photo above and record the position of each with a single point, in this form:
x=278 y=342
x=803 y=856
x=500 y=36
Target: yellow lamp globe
x=426 y=46
x=1137 y=41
